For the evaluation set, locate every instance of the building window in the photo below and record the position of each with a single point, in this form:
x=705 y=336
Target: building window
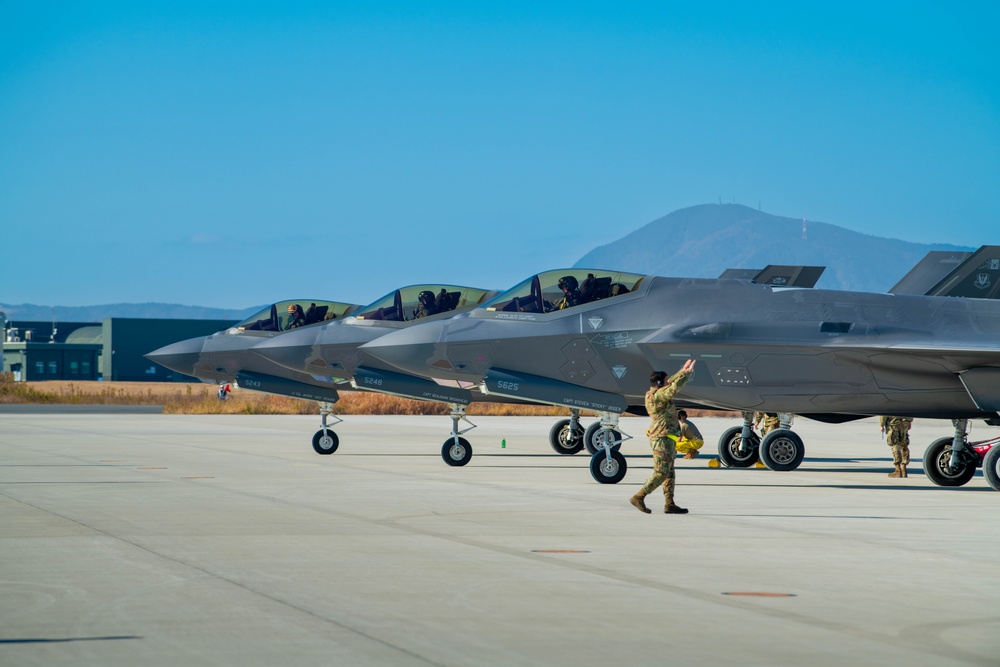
x=74 y=368
x=40 y=367
x=53 y=368
x=85 y=367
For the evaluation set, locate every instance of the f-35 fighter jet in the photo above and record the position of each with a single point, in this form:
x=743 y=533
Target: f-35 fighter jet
x=332 y=353
x=830 y=355
x=226 y=356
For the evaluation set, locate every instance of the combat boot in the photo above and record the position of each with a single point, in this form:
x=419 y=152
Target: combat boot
x=897 y=472
x=693 y=454
x=669 y=507
x=638 y=501
x=902 y=470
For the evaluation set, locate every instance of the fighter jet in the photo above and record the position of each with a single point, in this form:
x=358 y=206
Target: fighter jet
x=332 y=353
x=226 y=356
x=829 y=355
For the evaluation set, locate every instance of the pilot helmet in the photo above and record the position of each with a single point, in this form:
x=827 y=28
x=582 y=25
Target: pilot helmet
x=426 y=297
x=568 y=282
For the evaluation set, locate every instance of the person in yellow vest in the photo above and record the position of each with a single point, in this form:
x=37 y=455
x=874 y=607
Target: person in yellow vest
x=691 y=440
x=664 y=431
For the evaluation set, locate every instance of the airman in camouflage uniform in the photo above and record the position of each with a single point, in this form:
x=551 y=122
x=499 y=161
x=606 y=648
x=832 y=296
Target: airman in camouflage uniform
x=663 y=433
x=770 y=422
x=897 y=431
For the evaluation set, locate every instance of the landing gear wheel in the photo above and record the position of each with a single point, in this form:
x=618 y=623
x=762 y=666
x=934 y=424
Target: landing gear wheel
x=593 y=439
x=937 y=465
x=456 y=453
x=608 y=472
x=729 y=449
x=782 y=449
x=325 y=442
x=991 y=467
x=562 y=438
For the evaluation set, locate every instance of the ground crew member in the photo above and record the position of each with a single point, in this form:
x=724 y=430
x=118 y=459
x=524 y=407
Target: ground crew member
x=663 y=434
x=897 y=432
x=770 y=422
x=691 y=440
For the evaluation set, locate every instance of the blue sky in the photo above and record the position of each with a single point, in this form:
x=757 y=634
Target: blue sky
x=228 y=154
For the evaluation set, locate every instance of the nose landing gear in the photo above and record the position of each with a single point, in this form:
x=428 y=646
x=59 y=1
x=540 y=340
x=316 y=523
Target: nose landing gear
x=456 y=450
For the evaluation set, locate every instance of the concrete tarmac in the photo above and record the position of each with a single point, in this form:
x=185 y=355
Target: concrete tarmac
x=225 y=540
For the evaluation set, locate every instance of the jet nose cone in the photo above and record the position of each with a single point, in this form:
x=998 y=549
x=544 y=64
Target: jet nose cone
x=291 y=350
x=412 y=350
x=180 y=357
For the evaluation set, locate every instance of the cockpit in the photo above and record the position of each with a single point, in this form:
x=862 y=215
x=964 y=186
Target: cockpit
x=416 y=301
x=295 y=313
x=564 y=288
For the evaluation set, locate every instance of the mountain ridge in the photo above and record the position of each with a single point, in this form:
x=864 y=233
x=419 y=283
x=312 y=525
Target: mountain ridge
x=698 y=241
x=704 y=240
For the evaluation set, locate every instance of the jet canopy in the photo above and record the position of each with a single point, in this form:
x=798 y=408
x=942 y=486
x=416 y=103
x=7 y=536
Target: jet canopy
x=416 y=301
x=565 y=288
x=295 y=313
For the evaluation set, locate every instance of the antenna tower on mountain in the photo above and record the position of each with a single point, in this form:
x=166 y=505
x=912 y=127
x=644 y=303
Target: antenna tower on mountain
x=803 y=227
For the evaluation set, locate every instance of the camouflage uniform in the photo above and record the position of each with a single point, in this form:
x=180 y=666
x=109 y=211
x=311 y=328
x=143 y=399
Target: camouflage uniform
x=663 y=433
x=897 y=436
x=770 y=420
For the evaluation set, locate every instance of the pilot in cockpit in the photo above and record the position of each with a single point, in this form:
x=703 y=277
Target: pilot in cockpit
x=425 y=305
x=296 y=318
x=571 y=293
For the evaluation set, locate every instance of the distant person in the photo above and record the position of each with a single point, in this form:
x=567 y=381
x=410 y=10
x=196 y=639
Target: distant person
x=664 y=431
x=296 y=318
x=224 y=391
x=691 y=440
x=426 y=305
x=897 y=433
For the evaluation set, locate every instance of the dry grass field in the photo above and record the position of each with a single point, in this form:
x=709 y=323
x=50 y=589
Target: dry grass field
x=200 y=398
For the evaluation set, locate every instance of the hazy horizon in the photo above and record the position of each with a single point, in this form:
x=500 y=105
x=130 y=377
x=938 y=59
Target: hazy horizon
x=233 y=154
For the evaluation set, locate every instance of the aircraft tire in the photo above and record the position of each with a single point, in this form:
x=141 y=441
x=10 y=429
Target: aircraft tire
x=729 y=449
x=991 y=467
x=592 y=438
x=456 y=454
x=325 y=442
x=937 y=465
x=608 y=472
x=782 y=449
x=562 y=440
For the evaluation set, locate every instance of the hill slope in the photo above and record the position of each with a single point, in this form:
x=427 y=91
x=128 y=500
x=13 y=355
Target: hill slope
x=702 y=241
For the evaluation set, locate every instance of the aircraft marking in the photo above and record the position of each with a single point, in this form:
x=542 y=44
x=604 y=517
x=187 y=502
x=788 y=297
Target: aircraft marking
x=596 y=322
x=619 y=371
x=982 y=281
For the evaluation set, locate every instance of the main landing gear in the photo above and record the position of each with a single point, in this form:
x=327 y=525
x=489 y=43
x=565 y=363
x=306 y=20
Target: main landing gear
x=456 y=450
x=325 y=441
x=780 y=449
x=569 y=437
x=953 y=461
x=566 y=435
x=608 y=466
